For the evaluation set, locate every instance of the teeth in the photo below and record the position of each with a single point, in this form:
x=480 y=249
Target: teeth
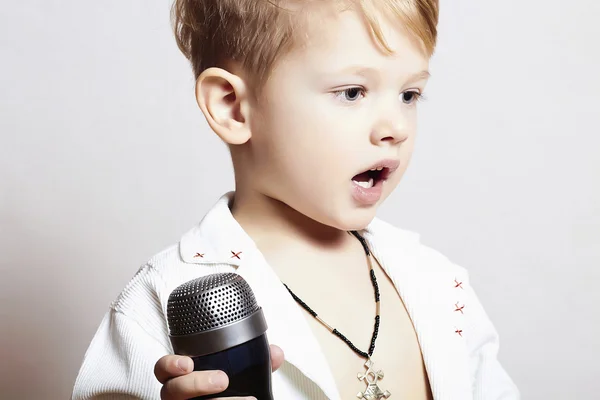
x=377 y=169
x=366 y=185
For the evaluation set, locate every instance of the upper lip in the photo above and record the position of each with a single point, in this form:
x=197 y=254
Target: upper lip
x=389 y=165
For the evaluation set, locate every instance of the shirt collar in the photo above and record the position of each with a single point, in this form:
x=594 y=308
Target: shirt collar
x=218 y=238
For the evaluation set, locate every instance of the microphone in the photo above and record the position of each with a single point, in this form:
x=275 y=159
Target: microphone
x=216 y=321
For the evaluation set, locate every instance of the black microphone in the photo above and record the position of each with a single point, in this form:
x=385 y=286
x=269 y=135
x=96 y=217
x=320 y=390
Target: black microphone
x=216 y=321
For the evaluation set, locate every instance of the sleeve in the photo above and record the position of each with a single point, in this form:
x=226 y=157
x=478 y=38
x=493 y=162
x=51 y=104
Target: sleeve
x=119 y=363
x=490 y=380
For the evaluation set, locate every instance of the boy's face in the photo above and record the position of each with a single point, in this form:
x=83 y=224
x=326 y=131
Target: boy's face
x=331 y=110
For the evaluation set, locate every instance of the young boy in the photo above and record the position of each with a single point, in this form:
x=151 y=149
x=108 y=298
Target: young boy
x=317 y=103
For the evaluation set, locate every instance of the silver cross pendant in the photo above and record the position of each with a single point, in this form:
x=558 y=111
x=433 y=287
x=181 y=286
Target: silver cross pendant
x=371 y=377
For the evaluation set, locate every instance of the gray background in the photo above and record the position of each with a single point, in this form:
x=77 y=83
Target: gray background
x=105 y=160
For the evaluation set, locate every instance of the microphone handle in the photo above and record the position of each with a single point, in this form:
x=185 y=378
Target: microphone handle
x=247 y=365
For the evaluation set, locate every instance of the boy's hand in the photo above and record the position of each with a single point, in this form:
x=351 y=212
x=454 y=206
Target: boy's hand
x=181 y=382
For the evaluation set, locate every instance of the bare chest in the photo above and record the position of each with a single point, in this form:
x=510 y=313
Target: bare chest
x=397 y=360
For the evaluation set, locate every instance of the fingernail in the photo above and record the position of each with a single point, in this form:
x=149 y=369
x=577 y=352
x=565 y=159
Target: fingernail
x=184 y=364
x=218 y=379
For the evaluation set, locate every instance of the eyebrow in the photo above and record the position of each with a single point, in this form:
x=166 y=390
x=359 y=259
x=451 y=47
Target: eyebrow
x=419 y=76
x=366 y=71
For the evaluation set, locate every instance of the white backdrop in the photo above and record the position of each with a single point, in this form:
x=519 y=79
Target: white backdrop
x=105 y=160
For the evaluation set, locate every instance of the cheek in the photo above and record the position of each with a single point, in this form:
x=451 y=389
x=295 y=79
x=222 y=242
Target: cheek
x=307 y=133
x=286 y=149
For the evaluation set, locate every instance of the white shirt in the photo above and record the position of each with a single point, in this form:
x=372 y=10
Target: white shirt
x=459 y=347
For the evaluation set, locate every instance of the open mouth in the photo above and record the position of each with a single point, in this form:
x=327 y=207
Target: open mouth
x=372 y=177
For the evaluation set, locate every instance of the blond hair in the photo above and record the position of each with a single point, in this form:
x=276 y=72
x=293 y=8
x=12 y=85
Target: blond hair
x=255 y=33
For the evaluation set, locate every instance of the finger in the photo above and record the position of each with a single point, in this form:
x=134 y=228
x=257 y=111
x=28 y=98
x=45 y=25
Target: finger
x=198 y=383
x=277 y=357
x=171 y=366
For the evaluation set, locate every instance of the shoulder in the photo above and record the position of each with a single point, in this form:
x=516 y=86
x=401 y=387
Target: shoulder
x=151 y=285
x=148 y=284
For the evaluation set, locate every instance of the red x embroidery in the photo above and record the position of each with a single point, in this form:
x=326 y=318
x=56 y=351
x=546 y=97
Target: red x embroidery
x=459 y=331
x=236 y=255
x=199 y=255
x=459 y=308
x=458 y=284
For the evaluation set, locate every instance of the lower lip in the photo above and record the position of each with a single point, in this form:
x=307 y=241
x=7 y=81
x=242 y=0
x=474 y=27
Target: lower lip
x=368 y=196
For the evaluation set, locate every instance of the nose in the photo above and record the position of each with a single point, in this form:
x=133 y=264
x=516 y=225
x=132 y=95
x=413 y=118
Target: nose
x=390 y=131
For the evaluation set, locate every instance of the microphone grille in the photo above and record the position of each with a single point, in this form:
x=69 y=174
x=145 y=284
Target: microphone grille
x=209 y=302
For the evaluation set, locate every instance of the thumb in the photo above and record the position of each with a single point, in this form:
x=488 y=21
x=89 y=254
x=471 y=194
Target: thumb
x=277 y=357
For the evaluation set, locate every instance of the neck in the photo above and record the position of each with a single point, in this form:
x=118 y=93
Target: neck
x=272 y=223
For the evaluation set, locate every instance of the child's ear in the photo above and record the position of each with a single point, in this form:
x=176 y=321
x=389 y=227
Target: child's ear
x=223 y=98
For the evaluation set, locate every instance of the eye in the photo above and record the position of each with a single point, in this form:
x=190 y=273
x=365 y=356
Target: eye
x=350 y=95
x=411 y=96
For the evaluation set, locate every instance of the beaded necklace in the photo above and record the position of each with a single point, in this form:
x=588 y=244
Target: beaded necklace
x=371 y=376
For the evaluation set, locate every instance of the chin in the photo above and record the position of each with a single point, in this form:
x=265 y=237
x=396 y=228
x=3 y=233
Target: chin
x=353 y=219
